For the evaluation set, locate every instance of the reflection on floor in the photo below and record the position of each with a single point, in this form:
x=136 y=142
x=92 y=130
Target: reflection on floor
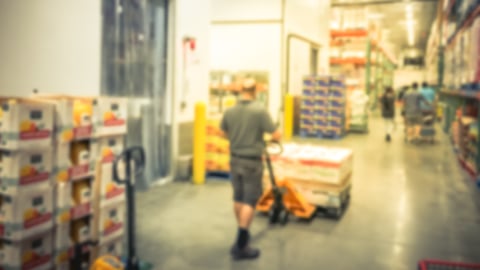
x=408 y=203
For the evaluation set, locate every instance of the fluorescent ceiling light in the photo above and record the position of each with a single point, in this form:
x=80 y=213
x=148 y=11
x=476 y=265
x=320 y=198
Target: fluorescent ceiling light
x=376 y=16
x=409 y=8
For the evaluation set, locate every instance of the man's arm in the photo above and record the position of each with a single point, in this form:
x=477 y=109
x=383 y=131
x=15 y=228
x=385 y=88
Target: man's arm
x=269 y=127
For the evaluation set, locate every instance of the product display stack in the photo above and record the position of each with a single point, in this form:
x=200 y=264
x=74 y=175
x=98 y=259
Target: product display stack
x=26 y=190
x=217 y=148
x=323 y=107
x=321 y=174
x=71 y=176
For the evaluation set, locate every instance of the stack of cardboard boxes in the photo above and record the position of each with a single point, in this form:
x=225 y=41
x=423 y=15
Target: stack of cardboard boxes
x=319 y=173
x=84 y=136
x=323 y=107
x=26 y=200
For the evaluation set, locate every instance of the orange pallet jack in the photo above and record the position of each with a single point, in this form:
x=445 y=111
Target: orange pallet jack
x=281 y=199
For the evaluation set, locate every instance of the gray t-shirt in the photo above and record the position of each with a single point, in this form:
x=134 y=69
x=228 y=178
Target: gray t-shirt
x=245 y=125
x=412 y=103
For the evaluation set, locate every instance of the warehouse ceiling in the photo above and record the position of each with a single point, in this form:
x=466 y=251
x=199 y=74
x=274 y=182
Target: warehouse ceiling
x=391 y=16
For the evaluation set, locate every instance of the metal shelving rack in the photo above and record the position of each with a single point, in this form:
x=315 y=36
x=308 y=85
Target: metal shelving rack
x=378 y=64
x=453 y=98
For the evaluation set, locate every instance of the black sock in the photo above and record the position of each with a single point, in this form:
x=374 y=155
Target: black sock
x=242 y=239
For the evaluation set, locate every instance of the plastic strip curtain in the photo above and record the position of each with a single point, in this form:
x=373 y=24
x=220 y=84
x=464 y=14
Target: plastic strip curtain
x=133 y=66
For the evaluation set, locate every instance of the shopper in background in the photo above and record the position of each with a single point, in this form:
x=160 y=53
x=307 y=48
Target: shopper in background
x=244 y=125
x=413 y=112
x=388 y=111
x=429 y=94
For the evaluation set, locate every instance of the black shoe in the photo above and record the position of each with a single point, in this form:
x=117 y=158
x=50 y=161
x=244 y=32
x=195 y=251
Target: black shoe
x=388 y=138
x=247 y=253
x=233 y=249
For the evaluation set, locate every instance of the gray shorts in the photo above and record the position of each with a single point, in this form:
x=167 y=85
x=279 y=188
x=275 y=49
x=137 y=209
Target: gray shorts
x=246 y=180
x=413 y=120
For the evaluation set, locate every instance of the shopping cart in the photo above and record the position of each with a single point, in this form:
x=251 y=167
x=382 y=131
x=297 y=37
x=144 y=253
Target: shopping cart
x=427 y=131
x=444 y=265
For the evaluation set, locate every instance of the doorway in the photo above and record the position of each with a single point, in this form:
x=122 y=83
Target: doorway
x=134 y=58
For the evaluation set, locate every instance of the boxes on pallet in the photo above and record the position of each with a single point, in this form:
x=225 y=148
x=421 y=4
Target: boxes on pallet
x=73 y=117
x=25 y=170
x=110 y=116
x=308 y=91
x=322 y=91
x=314 y=163
x=309 y=81
x=82 y=198
x=109 y=147
x=322 y=81
x=111 y=223
x=336 y=121
x=113 y=247
x=109 y=191
x=32 y=253
x=337 y=81
x=82 y=158
x=25 y=124
x=316 y=193
x=28 y=213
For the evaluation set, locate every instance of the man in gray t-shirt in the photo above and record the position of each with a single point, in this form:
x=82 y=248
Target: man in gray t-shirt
x=244 y=125
x=413 y=101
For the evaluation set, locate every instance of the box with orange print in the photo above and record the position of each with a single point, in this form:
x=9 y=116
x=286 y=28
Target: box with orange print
x=109 y=116
x=75 y=160
x=27 y=213
x=35 y=252
x=110 y=223
x=24 y=169
x=25 y=124
x=73 y=117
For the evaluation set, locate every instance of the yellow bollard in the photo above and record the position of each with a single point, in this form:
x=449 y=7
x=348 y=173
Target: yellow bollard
x=199 y=143
x=288 y=117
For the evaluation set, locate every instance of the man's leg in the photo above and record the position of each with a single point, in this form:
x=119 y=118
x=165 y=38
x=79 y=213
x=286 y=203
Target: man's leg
x=237 y=208
x=252 y=192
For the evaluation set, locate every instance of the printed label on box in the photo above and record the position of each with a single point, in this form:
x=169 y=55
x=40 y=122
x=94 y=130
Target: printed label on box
x=80 y=211
x=83 y=132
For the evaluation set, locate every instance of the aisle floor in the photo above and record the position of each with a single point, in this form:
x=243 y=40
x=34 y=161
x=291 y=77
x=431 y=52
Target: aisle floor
x=408 y=203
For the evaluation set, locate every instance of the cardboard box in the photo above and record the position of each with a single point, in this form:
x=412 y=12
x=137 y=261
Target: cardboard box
x=111 y=222
x=319 y=194
x=114 y=247
x=73 y=117
x=82 y=156
x=32 y=253
x=110 y=116
x=25 y=124
x=109 y=148
x=25 y=170
x=106 y=190
x=314 y=163
x=80 y=230
x=26 y=214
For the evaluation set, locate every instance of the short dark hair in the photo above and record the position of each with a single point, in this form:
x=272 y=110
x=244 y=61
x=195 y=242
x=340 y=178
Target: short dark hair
x=424 y=84
x=251 y=89
x=388 y=89
x=415 y=85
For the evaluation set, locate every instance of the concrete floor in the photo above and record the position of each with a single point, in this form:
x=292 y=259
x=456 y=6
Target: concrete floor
x=408 y=203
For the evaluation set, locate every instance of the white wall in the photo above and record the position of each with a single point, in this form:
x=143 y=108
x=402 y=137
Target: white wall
x=190 y=18
x=248 y=35
x=228 y=10
x=253 y=47
x=51 y=45
x=309 y=19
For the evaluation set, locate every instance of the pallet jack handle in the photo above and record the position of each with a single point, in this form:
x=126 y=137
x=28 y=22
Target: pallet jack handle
x=268 y=160
x=133 y=156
